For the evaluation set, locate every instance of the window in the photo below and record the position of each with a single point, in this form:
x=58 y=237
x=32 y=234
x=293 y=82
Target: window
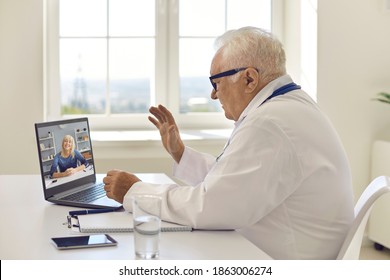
x=112 y=59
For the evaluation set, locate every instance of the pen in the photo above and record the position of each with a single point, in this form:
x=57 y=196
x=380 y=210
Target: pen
x=93 y=211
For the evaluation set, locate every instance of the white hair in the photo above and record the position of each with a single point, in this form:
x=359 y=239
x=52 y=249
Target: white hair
x=253 y=47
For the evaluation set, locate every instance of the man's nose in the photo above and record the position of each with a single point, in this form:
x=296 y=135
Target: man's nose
x=214 y=94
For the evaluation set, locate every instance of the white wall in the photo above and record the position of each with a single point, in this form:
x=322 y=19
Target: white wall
x=21 y=86
x=353 y=65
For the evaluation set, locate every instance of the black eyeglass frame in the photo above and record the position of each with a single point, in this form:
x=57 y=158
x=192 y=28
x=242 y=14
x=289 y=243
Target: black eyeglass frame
x=225 y=74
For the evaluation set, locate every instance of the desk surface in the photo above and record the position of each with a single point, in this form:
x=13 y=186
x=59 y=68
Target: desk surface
x=29 y=222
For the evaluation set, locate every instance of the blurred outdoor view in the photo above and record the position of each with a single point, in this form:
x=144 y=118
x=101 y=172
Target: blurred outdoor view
x=107 y=54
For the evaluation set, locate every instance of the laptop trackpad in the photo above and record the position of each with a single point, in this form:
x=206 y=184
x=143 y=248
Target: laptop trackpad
x=105 y=201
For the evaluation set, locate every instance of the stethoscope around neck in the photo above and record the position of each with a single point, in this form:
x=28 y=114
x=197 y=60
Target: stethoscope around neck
x=280 y=91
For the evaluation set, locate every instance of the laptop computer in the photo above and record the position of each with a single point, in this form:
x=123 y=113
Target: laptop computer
x=69 y=180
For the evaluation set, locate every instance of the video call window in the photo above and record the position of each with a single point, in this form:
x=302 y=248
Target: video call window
x=52 y=140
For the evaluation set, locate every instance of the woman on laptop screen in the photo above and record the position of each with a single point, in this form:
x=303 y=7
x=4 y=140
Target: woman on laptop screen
x=69 y=161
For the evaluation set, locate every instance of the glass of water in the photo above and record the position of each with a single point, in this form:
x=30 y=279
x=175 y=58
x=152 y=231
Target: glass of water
x=147 y=226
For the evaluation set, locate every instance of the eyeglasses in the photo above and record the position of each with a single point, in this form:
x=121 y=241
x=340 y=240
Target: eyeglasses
x=225 y=74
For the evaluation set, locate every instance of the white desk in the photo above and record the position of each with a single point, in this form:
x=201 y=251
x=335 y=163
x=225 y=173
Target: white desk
x=28 y=222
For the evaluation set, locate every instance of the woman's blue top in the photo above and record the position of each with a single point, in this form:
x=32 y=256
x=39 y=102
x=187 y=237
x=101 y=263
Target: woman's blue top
x=65 y=163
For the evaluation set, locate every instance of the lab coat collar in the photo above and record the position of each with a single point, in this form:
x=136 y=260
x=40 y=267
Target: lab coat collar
x=263 y=95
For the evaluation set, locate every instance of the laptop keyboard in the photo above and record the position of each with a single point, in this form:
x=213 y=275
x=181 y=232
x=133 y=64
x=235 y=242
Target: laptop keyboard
x=87 y=195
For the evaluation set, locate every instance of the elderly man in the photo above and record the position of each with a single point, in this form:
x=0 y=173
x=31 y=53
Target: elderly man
x=283 y=179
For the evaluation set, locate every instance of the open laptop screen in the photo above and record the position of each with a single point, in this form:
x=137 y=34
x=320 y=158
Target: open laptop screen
x=58 y=172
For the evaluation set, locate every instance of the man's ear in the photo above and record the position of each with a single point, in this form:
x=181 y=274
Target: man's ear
x=252 y=79
x=249 y=80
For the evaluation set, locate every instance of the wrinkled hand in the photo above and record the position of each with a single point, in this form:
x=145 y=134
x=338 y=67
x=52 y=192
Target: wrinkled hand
x=117 y=183
x=169 y=131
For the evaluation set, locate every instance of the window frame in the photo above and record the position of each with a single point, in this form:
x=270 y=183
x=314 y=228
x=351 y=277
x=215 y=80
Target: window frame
x=166 y=64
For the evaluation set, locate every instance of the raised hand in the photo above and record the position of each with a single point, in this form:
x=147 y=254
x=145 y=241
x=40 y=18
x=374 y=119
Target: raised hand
x=170 y=136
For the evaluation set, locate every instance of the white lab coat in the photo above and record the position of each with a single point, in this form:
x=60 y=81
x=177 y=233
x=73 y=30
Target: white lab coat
x=283 y=181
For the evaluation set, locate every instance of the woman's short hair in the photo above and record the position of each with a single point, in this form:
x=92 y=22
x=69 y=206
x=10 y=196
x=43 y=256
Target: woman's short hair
x=69 y=137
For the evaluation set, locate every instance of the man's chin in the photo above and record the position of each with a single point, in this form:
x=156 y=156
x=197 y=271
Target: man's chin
x=228 y=116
